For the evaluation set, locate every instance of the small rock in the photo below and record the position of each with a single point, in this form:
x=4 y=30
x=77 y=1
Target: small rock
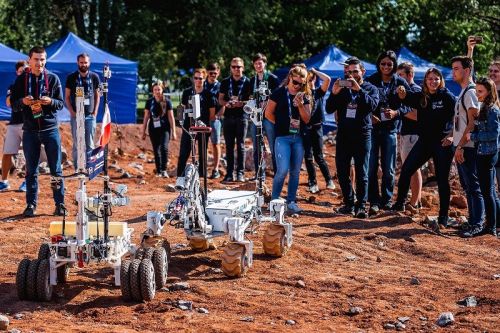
x=142 y=182
x=445 y=318
x=400 y=326
x=18 y=316
x=202 y=310
x=379 y=259
x=125 y=175
x=423 y=318
x=170 y=188
x=14 y=330
x=185 y=305
x=141 y=156
x=179 y=286
x=294 y=215
x=290 y=322
x=300 y=284
x=312 y=199
x=4 y=322
x=458 y=201
x=389 y=326
x=216 y=270
x=403 y=319
x=370 y=236
x=351 y=258
x=354 y=310
x=248 y=319
x=414 y=281
x=496 y=276
x=380 y=245
x=275 y=266
x=410 y=239
x=469 y=302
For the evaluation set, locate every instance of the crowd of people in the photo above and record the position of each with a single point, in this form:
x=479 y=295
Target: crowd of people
x=376 y=117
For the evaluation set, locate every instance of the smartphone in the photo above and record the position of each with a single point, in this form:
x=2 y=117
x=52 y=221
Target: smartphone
x=345 y=83
x=478 y=39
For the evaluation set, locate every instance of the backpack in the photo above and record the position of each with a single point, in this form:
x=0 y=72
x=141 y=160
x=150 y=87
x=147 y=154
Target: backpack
x=469 y=87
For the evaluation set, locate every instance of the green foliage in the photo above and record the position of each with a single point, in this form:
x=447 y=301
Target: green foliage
x=167 y=35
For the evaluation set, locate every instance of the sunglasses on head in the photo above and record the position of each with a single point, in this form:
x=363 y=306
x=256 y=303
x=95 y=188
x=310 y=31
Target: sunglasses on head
x=197 y=78
x=236 y=67
x=297 y=83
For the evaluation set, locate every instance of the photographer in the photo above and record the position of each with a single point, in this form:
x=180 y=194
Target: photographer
x=288 y=109
x=313 y=133
x=159 y=119
x=271 y=80
x=207 y=108
x=234 y=92
x=354 y=100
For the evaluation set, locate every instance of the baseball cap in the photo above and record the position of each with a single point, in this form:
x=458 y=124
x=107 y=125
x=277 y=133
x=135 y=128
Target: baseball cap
x=350 y=60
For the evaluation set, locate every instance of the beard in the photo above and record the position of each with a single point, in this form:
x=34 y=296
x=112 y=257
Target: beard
x=83 y=69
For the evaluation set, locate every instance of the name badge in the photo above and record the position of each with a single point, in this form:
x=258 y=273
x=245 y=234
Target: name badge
x=383 y=117
x=156 y=123
x=36 y=109
x=294 y=126
x=86 y=101
x=351 y=110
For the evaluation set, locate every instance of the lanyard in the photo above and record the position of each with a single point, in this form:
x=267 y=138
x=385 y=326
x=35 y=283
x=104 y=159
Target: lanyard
x=240 y=83
x=353 y=96
x=89 y=83
x=289 y=106
x=38 y=89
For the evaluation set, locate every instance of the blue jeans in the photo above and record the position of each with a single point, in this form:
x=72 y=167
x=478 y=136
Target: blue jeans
x=384 y=145
x=216 y=126
x=469 y=180
x=289 y=153
x=357 y=147
x=32 y=142
x=268 y=131
x=486 y=174
x=90 y=126
x=421 y=152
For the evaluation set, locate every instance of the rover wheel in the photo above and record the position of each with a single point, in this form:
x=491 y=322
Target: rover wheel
x=63 y=273
x=199 y=244
x=148 y=253
x=139 y=254
x=43 y=286
x=274 y=241
x=135 y=283
x=160 y=264
x=125 y=280
x=234 y=260
x=21 y=278
x=147 y=280
x=44 y=251
x=31 y=280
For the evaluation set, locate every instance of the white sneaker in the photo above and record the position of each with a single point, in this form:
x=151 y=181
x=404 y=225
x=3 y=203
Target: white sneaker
x=330 y=185
x=314 y=189
x=293 y=208
x=4 y=186
x=164 y=174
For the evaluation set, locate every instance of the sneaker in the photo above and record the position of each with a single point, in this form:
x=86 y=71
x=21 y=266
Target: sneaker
x=22 y=188
x=412 y=209
x=346 y=210
x=215 y=174
x=30 y=211
x=4 y=186
x=398 y=207
x=314 y=188
x=360 y=213
x=443 y=220
x=164 y=174
x=330 y=185
x=228 y=179
x=373 y=210
x=293 y=208
x=60 y=210
x=387 y=206
x=240 y=178
x=475 y=230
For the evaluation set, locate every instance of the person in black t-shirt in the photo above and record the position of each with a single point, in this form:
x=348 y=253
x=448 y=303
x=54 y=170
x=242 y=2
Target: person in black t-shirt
x=207 y=110
x=262 y=75
x=14 y=135
x=288 y=108
x=212 y=85
x=159 y=119
x=234 y=92
x=313 y=134
x=89 y=80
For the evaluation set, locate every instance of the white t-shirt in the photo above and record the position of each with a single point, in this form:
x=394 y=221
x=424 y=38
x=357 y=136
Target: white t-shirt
x=460 y=119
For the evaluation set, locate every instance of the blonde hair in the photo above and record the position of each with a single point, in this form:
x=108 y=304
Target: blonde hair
x=158 y=83
x=202 y=71
x=299 y=70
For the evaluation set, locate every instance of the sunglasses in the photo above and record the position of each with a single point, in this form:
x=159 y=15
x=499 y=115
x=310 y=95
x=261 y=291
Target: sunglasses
x=236 y=67
x=386 y=64
x=197 y=78
x=297 y=83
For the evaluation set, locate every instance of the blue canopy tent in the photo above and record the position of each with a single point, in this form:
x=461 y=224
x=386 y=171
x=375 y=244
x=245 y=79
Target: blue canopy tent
x=421 y=66
x=8 y=59
x=122 y=85
x=329 y=62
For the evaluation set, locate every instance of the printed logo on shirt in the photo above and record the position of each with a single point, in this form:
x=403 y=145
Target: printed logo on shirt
x=437 y=105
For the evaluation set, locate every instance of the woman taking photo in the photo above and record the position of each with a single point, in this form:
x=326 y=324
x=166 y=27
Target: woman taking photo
x=288 y=109
x=159 y=119
x=435 y=111
x=485 y=137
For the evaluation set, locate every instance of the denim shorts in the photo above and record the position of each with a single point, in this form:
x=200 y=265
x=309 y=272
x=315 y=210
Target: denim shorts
x=216 y=126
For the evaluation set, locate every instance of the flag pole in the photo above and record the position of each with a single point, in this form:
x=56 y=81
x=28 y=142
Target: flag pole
x=106 y=132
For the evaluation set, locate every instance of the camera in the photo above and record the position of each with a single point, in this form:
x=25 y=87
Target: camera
x=345 y=84
x=263 y=90
x=478 y=39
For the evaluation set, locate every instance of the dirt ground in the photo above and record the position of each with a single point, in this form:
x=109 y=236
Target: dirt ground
x=390 y=267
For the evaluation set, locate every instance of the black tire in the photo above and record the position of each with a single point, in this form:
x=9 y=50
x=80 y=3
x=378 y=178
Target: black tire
x=139 y=254
x=166 y=246
x=125 y=280
x=147 y=280
x=135 y=281
x=31 y=280
x=43 y=286
x=21 y=278
x=160 y=264
x=148 y=253
x=63 y=273
x=44 y=251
